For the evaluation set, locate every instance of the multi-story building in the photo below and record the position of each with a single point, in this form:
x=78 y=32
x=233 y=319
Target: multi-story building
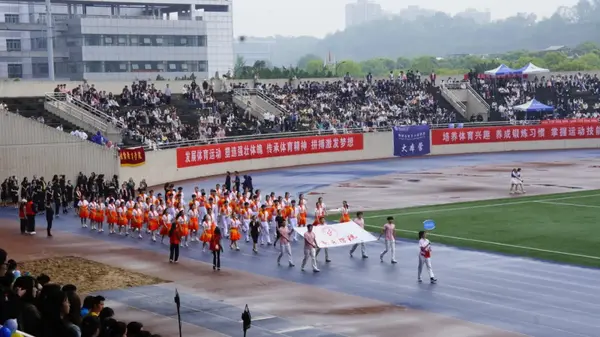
x=116 y=39
x=362 y=12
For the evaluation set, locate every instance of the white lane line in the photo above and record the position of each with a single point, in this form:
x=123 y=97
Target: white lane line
x=300 y=328
x=440 y=208
x=498 y=244
x=566 y=204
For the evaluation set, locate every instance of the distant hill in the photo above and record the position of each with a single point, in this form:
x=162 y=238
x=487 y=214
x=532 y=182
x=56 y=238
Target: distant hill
x=442 y=34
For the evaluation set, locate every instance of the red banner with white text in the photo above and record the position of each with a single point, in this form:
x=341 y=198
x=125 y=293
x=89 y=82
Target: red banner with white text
x=495 y=134
x=571 y=121
x=267 y=148
x=135 y=156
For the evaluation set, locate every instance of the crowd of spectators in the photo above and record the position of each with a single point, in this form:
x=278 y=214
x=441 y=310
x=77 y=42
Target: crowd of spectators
x=572 y=96
x=357 y=103
x=38 y=307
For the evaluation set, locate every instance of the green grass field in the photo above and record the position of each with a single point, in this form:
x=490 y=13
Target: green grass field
x=559 y=227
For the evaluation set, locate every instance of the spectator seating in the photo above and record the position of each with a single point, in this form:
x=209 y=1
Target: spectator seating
x=573 y=96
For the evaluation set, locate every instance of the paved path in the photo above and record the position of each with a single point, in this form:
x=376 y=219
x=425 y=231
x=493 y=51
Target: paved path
x=350 y=297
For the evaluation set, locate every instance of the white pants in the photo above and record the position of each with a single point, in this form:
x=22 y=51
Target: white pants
x=389 y=245
x=310 y=252
x=363 y=249
x=264 y=233
x=427 y=262
x=287 y=248
x=293 y=223
x=225 y=221
x=246 y=229
x=326 y=253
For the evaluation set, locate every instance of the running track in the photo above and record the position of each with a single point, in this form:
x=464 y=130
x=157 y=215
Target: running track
x=532 y=297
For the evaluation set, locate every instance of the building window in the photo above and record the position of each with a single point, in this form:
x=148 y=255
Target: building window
x=93 y=67
x=122 y=41
x=11 y=18
x=92 y=40
x=203 y=66
x=15 y=70
x=202 y=41
x=39 y=43
x=115 y=67
x=13 y=45
x=40 y=70
x=108 y=41
x=134 y=41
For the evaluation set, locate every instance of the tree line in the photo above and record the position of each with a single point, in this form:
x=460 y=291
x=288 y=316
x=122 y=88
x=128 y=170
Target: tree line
x=584 y=57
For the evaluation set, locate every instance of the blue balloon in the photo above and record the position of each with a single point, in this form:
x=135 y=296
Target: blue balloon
x=428 y=225
x=5 y=332
x=84 y=312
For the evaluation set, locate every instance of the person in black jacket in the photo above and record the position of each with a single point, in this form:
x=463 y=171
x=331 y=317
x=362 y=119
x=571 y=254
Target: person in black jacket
x=49 y=218
x=254 y=232
x=227 y=184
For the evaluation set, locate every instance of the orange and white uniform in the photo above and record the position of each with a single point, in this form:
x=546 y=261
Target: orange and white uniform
x=153 y=220
x=302 y=215
x=225 y=212
x=345 y=214
x=263 y=217
x=92 y=211
x=194 y=215
x=100 y=211
x=207 y=231
x=84 y=212
x=112 y=214
x=164 y=222
x=234 y=230
x=319 y=212
x=122 y=216
x=137 y=218
x=129 y=206
x=246 y=216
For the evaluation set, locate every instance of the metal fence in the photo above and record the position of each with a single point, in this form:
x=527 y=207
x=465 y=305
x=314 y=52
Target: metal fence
x=277 y=135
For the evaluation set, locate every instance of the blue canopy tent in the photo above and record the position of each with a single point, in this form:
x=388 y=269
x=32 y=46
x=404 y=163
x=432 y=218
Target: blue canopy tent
x=531 y=68
x=534 y=106
x=501 y=70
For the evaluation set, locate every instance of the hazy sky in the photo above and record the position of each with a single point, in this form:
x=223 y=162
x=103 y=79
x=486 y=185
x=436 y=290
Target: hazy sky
x=320 y=17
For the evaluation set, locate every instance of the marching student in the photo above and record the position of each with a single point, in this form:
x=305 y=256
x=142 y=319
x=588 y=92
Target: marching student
x=246 y=214
x=361 y=222
x=292 y=219
x=153 y=222
x=207 y=232
x=390 y=242
x=234 y=232
x=49 y=218
x=345 y=217
x=284 y=243
x=321 y=222
x=263 y=216
x=310 y=247
x=83 y=212
x=425 y=257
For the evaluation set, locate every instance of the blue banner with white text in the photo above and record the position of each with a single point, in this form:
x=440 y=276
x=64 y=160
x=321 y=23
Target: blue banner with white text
x=410 y=141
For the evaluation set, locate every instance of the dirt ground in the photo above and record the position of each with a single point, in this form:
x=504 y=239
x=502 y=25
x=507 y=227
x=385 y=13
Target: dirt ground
x=461 y=184
x=88 y=276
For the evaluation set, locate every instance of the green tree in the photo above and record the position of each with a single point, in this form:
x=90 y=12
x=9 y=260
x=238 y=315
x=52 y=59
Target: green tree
x=306 y=59
x=348 y=67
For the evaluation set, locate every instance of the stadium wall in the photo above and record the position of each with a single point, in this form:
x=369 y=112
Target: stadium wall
x=29 y=148
x=162 y=166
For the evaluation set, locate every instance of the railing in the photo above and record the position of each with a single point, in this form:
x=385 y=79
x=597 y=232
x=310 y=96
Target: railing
x=314 y=133
x=253 y=91
x=80 y=113
x=453 y=100
x=477 y=96
x=92 y=110
x=244 y=96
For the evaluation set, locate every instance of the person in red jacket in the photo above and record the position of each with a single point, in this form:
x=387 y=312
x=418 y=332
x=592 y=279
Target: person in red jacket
x=216 y=248
x=175 y=240
x=23 y=216
x=30 y=213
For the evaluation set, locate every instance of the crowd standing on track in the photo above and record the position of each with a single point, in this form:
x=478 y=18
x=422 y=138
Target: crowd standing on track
x=207 y=216
x=36 y=306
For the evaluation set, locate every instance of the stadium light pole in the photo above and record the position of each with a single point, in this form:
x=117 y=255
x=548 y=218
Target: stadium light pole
x=50 y=40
